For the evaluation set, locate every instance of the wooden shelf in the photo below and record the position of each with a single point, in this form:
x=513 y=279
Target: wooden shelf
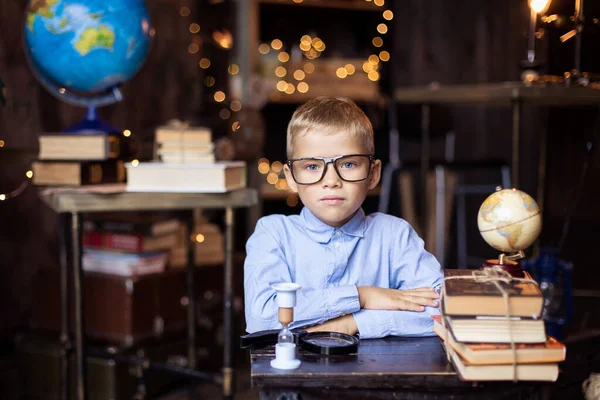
x=339 y=90
x=97 y=198
x=337 y=4
x=499 y=94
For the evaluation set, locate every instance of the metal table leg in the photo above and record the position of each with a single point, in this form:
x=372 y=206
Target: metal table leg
x=78 y=293
x=425 y=155
x=191 y=295
x=63 y=220
x=228 y=307
x=516 y=140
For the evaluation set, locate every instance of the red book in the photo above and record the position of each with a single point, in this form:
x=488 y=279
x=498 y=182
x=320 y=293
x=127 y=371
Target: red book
x=130 y=242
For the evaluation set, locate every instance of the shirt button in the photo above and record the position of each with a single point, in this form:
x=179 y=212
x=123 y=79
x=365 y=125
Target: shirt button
x=339 y=233
x=337 y=245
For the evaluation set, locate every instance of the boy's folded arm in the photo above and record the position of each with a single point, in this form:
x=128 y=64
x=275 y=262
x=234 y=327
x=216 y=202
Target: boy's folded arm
x=266 y=264
x=380 y=323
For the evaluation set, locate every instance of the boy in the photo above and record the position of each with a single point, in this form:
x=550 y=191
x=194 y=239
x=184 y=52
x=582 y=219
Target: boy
x=359 y=274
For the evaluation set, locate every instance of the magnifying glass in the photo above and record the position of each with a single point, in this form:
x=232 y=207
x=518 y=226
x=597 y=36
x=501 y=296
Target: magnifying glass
x=324 y=343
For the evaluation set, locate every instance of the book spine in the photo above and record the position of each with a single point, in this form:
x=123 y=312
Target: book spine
x=103 y=226
x=107 y=172
x=113 y=241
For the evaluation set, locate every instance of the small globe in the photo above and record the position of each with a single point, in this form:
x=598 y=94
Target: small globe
x=509 y=220
x=89 y=46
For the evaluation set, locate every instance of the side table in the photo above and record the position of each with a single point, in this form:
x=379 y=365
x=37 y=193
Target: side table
x=71 y=203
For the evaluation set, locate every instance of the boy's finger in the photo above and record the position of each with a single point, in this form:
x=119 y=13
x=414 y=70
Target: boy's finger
x=424 y=301
x=409 y=306
x=420 y=289
x=429 y=294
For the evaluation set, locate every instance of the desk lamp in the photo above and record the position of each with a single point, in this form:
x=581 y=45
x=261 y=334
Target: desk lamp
x=531 y=64
x=285 y=349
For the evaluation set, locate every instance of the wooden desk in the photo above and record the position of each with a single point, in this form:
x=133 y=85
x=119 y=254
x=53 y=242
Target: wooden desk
x=72 y=203
x=406 y=368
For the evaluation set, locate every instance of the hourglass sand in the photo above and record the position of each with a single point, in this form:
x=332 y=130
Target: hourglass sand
x=285 y=349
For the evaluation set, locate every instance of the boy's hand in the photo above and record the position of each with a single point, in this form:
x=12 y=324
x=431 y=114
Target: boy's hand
x=376 y=298
x=344 y=324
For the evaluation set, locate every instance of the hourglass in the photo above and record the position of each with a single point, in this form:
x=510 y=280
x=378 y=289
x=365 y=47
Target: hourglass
x=285 y=349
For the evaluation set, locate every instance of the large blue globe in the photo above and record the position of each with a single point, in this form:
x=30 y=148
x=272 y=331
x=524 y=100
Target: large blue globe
x=89 y=46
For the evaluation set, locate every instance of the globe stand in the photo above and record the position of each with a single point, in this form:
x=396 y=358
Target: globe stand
x=91 y=125
x=508 y=263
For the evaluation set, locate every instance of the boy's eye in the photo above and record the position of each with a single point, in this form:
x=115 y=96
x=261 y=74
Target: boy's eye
x=348 y=164
x=311 y=167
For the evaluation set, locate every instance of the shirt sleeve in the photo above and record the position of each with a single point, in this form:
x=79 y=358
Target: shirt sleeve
x=266 y=264
x=411 y=267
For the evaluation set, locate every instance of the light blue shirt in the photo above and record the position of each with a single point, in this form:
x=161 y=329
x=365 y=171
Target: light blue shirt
x=329 y=263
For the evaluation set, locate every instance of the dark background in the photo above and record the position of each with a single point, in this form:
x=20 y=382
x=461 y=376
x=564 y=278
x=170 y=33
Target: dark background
x=454 y=41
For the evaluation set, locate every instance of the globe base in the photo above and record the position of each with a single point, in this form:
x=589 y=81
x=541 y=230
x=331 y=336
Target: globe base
x=512 y=267
x=91 y=125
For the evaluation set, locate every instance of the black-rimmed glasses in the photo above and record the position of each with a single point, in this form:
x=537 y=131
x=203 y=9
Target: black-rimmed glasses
x=350 y=168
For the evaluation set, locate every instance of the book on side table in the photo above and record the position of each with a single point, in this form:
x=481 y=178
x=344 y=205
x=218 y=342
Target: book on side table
x=218 y=177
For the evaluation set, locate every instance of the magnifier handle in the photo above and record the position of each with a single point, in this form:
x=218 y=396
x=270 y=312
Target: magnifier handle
x=265 y=338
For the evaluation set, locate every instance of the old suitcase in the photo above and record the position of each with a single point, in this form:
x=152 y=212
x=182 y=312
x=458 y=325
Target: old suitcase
x=39 y=359
x=126 y=310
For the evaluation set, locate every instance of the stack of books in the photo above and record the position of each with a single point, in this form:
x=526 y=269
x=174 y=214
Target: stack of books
x=185 y=163
x=128 y=244
x=478 y=335
x=83 y=159
x=177 y=143
x=208 y=245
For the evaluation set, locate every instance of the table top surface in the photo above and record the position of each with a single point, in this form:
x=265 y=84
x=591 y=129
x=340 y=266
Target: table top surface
x=377 y=363
x=103 y=198
x=388 y=363
x=499 y=94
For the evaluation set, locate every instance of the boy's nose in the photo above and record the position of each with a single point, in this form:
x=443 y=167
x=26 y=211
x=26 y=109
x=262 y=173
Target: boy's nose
x=331 y=178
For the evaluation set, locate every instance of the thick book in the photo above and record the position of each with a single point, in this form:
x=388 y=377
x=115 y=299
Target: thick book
x=67 y=173
x=178 y=158
x=466 y=296
x=216 y=177
x=124 y=264
x=496 y=329
x=182 y=134
x=496 y=353
x=547 y=372
x=128 y=242
x=138 y=223
x=92 y=147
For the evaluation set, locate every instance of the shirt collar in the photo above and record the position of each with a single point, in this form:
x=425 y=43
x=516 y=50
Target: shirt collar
x=322 y=232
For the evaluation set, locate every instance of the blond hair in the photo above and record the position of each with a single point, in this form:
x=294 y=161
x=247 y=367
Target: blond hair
x=327 y=116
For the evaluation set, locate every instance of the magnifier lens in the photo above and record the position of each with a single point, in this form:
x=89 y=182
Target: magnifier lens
x=327 y=341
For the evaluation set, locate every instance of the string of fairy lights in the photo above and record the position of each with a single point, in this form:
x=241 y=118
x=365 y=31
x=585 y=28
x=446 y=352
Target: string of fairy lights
x=21 y=187
x=292 y=78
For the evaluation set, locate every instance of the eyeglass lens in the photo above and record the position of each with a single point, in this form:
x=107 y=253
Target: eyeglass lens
x=350 y=168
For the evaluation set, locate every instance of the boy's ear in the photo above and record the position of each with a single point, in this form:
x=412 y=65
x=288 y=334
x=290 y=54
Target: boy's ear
x=290 y=181
x=375 y=174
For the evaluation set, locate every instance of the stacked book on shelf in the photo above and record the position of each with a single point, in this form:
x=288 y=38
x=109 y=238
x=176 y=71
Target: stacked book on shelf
x=178 y=143
x=80 y=159
x=133 y=244
x=208 y=245
x=479 y=338
x=185 y=163
x=128 y=244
